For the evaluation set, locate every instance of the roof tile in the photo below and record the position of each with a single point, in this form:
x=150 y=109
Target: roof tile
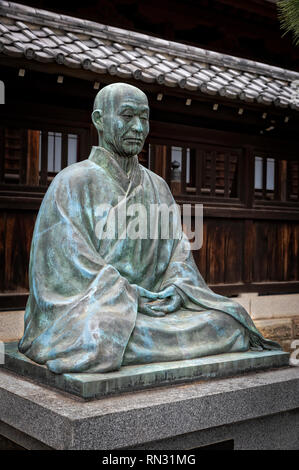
x=147 y=77
x=191 y=84
x=181 y=61
x=12 y=51
x=124 y=72
x=201 y=77
x=98 y=68
x=42 y=56
x=96 y=54
x=45 y=36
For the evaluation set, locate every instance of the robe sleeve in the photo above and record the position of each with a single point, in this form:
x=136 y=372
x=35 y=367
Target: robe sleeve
x=81 y=311
x=196 y=295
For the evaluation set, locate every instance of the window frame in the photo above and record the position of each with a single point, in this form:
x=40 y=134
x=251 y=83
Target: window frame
x=199 y=148
x=45 y=177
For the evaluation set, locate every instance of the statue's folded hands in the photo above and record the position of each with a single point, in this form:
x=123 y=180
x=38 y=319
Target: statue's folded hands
x=148 y=307
x=171 y=303
x=156 y=304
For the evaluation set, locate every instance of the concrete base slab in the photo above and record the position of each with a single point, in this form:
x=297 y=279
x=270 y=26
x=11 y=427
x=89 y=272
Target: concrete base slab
x=131 y=378
x=259 y=410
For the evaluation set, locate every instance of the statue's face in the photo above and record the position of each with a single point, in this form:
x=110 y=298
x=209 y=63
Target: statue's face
x=125 y=122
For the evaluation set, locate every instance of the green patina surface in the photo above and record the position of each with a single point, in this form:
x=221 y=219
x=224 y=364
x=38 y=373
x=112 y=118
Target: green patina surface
x=140 y=377
x=100 y=302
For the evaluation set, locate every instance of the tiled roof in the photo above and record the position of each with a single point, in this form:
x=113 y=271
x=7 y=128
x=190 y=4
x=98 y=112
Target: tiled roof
x=50 y=37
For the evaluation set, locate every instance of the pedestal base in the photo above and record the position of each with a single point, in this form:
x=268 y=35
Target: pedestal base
x=131 y=378
x=259 y=410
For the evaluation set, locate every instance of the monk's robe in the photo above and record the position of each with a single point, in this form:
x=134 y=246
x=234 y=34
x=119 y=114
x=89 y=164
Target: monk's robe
x=82 y=312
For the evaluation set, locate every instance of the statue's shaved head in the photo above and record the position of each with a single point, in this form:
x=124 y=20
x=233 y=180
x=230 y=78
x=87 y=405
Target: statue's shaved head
x=107 y=95
x=121 y=117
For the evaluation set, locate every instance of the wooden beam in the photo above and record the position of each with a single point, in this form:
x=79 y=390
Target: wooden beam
x=13 y=301
x=183 y=170
x=2 y=153
x=32 y=177
x=24 y=157
x=182 y=133
x=64 y=150
x=259 y=287
x=44 y=159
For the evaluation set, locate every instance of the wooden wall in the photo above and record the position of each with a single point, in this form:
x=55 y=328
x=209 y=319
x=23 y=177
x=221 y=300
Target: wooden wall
x=16 y=228
x=250 y=255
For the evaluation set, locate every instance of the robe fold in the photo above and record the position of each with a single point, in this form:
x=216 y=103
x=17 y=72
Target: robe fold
x=82 y=311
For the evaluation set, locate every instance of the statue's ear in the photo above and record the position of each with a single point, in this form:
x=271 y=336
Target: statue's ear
x=97 y=119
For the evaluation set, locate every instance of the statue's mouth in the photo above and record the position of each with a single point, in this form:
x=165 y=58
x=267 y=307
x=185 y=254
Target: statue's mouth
x=132 y=140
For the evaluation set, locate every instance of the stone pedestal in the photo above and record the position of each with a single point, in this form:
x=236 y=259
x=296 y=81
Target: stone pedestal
x=11 y=325
x=258 y=410
x=132 y=378
x=275 y=316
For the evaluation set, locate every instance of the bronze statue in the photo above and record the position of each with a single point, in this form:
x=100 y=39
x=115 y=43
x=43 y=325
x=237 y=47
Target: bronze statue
x=99 y=300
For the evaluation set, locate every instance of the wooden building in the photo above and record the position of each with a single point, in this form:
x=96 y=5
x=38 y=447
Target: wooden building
x=223 y=132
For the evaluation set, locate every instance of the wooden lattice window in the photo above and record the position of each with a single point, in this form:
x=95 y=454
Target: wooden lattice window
x=276 y=179
x=197 y=170
x=292 y=193
x=220 y=172
x=31 y=157
x=13 y=158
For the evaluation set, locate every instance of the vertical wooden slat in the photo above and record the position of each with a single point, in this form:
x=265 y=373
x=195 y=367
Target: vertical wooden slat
x=152 y=157
x=158 y=162
x=249 y=237
x=226 y=173
x=23 y=158
x=2 y=153
x=32 y=177
x=283 y=168
x=78 y=149
x=234 y=186
x=44 y=159
x=163 y=159
x=288 y=179
x=54 y=152
x=246 y=177
x=161 y=154
x=213 y=173
x=184 y=171
x=3 y=218
x=199 y=170
x=167 y=151
x=192 y=167
x=205 y=174
x=277 y=171
x=64 y=150
x=83 y=145
x=264 y=177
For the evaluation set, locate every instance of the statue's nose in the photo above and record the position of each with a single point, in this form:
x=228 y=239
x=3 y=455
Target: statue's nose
x=136 y=124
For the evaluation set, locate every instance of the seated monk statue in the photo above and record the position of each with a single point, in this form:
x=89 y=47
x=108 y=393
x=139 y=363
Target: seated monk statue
x=99 y=302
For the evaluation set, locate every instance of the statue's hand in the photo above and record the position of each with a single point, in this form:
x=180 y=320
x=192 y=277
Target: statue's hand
x=142 y=292
x=156 y=304
x=146 y=298
x=171 y=301
x=146 y=307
